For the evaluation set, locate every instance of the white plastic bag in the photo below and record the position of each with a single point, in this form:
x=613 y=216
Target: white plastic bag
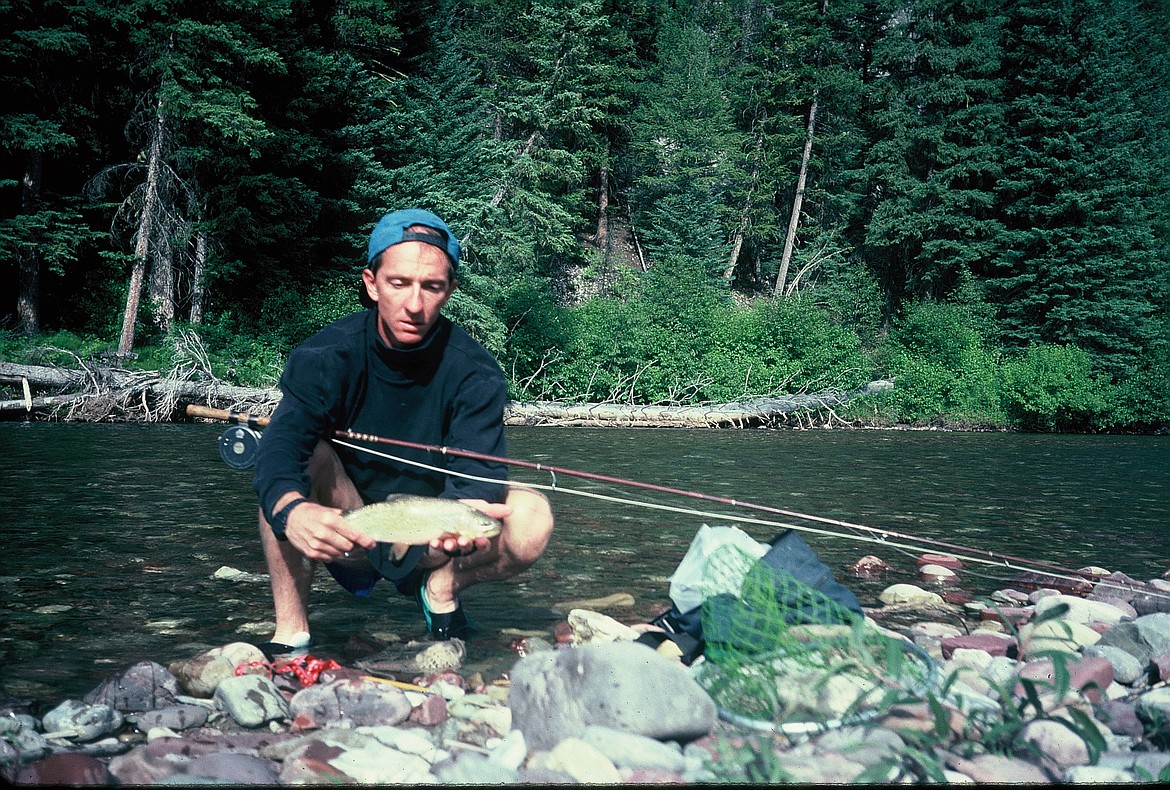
x=689 y=587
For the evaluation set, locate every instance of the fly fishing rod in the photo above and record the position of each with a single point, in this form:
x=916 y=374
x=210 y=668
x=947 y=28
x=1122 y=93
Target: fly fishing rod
x=238 y=446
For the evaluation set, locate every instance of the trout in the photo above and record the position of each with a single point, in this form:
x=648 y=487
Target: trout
x=408 y=520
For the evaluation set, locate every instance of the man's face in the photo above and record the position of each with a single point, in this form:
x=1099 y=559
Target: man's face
x=410 y=287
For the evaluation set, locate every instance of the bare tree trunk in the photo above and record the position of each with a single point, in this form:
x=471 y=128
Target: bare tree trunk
x=197 y=289
x=28 y=300
x=160 y=289
x=143 y=237
x=602 y=235
x=741 y=230
x=798 y=200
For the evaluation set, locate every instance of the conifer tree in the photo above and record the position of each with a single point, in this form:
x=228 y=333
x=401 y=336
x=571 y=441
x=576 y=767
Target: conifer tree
x=685 y=145
x=1082 y=183
x=44 y=50
x=933 y=155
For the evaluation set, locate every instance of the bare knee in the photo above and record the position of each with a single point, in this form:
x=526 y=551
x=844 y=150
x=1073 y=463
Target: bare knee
x=330 y=484
x=529 y=527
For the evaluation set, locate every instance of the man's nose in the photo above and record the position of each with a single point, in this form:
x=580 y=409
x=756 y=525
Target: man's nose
x=414 y=300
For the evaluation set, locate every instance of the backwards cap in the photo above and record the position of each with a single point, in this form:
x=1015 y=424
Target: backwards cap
x=392 y=229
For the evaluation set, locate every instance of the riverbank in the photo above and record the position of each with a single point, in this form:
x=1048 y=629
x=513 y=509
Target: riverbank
x=100 y=394
x=1031 y=684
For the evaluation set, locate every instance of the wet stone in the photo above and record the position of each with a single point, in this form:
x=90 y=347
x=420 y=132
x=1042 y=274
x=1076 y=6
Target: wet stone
x=174 y=717
x=144 y=686
x=251 y=700
x=81 y=722
x=65 y=770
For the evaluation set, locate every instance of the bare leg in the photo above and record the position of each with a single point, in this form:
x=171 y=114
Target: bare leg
x=521 y=542
x=290 y=572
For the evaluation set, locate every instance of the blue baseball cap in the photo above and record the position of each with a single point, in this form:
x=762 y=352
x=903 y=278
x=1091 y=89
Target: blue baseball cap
x=392 y=229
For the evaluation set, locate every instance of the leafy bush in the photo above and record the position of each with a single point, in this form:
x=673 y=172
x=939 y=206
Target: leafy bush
x=1054 y=388
x=942 y=368
x=777 y=347
x=1143 y=400
x=57 y=348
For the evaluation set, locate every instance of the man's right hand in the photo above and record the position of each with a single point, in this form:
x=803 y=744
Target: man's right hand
x=322 y=533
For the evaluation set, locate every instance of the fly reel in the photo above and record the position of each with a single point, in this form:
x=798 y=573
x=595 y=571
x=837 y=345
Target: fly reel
x=238 y=446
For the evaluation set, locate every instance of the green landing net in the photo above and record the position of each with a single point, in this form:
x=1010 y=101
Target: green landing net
x=782 y=657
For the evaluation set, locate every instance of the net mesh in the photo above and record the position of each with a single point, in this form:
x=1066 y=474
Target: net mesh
x=782 y=656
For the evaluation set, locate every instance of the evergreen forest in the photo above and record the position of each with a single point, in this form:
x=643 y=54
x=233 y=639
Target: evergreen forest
x=660 y=201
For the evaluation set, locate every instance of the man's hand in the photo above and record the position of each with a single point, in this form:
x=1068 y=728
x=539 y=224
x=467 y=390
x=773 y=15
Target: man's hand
x=462 y=546
x=322 y=533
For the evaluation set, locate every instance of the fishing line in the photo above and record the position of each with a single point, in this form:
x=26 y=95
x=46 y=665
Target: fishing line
x=958 y=551
x=951 y=547
x=883 y=540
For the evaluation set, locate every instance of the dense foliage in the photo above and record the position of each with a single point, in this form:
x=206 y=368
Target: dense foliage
x=662 y=201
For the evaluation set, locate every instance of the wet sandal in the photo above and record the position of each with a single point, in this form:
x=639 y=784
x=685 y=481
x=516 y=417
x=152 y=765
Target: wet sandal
x=299 y=647
x=445 y=625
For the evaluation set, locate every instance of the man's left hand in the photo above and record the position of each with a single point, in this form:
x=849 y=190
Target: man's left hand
x=460 y=546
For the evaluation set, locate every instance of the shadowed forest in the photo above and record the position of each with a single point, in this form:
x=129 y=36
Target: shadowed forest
x=661 y=202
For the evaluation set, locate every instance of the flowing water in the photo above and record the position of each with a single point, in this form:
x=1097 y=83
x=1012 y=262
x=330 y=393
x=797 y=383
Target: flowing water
x=112 y=533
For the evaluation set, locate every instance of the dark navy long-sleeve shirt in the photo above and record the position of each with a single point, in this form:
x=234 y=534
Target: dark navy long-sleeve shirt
x=446 y=391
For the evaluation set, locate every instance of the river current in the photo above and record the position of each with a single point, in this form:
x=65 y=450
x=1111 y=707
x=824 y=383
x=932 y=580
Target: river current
x=113 y=534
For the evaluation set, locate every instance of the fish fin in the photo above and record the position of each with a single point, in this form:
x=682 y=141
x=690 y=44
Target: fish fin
x=398 y=550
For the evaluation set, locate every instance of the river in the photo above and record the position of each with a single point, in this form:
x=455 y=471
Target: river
x=112 y=533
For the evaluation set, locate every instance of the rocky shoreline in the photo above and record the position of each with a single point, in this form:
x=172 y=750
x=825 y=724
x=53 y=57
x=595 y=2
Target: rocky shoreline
x=1039 y=683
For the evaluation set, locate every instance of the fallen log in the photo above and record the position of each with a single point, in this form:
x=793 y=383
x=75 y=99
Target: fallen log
x=115 y=393
x=146 y=395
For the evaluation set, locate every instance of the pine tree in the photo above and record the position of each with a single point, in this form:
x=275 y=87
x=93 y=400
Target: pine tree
x=686 y=146
x=1084 y=178
x=44 y=49
x=191 y=62
x=933 y=156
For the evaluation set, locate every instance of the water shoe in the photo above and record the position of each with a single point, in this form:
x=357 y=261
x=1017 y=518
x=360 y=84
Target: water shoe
x=445 y=625
x=297 y=646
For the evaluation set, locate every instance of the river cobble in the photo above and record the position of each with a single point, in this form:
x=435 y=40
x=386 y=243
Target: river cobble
x=1035 y=683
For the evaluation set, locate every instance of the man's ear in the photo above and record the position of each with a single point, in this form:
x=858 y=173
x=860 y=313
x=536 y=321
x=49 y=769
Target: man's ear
x=368 y=281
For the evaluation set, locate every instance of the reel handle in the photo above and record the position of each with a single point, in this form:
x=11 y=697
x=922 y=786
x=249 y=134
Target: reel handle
x=243 y=418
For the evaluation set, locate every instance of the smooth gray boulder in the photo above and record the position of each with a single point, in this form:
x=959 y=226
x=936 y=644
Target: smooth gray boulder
x=622 y=685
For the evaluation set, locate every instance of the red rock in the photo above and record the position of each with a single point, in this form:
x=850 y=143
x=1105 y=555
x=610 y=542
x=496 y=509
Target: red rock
x=653 y=776
x=945 y=560
x=992 y=644
x=341 y=673
x=1120 y=716
x=1009 y=615
x=65 y=769
x=957 y=597
x=869 y=566
x=431 y=711
x=450 y=677
x=1032 y=580
x=1088 y=675
x=1162 y=666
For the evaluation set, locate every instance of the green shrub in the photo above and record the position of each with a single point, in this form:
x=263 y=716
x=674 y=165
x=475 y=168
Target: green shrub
x=1054 y=388
x=62 y=348
x=1143 y=400
x=942 y=369
x=775 y=347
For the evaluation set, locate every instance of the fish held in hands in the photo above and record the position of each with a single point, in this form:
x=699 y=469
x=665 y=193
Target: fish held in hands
x=408 y=520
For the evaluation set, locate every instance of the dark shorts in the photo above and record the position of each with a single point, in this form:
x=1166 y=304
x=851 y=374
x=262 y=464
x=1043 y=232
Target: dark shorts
x=360 y=579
